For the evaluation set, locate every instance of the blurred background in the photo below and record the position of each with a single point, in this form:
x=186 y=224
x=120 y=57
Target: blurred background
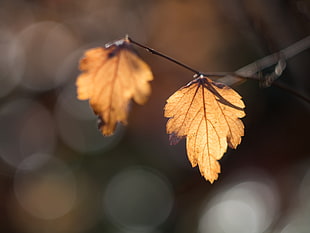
x=58 y=174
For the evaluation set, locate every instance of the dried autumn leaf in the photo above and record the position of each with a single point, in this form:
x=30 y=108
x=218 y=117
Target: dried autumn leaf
x=111 y=77
x=207 y=114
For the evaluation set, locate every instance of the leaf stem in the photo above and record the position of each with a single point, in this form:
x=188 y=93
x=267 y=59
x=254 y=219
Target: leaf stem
x=249 y=71
x=153 y=51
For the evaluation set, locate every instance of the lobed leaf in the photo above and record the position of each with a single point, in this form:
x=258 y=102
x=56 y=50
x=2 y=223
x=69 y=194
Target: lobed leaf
x=207 y=114
x=110 y=78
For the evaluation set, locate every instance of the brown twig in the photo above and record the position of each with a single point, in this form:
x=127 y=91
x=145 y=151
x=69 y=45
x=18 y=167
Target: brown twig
x=251 y=70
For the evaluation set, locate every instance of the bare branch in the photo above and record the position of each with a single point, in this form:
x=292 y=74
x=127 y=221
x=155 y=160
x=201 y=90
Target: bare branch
x=284 y=54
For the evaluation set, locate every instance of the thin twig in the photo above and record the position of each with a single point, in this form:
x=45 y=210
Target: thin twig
x=291 y=91
x=249 y=71
x=153 y=51
x=274 y=58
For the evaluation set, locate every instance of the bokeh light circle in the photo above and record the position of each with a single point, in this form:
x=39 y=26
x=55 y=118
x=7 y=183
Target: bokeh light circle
x=27 y=127
x=46 y=44
x=46 y=190
x=298 y=220
x=304 y=189
x=12 y=62
x=249 y=206
x=77 y=124
x=138 y=199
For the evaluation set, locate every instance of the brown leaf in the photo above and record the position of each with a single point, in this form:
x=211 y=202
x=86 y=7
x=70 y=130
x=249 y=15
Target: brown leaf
x=207 y=114
x=111 y=77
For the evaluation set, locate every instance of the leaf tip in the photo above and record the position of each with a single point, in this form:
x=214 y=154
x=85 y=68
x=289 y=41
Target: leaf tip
x=106 y=128
x=174 y=139
x=211 y=181
x=211 y=177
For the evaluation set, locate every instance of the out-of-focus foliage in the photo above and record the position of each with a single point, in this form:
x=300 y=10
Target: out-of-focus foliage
x=59 y=174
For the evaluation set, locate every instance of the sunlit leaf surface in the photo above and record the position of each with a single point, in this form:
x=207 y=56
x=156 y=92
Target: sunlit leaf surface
x=207 y=114
x=110 y=78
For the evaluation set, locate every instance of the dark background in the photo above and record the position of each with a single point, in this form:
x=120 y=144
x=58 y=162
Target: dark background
x=58 y=174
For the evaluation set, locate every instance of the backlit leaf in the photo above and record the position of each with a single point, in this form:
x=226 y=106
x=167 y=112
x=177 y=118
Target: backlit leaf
x=207 y=114
x=110 y=78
